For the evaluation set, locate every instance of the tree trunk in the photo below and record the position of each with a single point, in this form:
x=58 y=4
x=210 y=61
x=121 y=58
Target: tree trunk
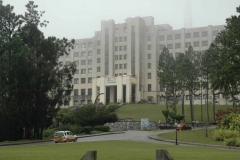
x=183 y=106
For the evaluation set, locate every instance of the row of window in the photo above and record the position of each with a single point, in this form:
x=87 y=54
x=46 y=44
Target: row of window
x=83 y=92
x=117 y=30
x=83 y=80
x=187 y=35
x=89 y=44
x=120 y=39
x=121 y=48
x=120 y=57
x=121 y=66
x=187 y=44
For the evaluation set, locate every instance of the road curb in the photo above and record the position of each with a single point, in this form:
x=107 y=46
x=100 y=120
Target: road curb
x=40 y=141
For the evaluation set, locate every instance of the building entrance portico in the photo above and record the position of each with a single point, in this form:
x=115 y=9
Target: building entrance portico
x=121 y=89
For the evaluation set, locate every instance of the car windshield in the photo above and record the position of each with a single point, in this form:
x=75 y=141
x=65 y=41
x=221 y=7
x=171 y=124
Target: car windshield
x=59 y=134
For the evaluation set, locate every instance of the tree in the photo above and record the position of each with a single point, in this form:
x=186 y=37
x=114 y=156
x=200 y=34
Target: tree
x=33 y=85
x=225 y=52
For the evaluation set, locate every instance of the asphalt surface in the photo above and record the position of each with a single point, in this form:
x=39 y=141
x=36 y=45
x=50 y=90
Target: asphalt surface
x=140 y=136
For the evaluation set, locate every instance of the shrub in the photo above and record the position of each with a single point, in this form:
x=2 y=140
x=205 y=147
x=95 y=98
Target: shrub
x=48 y=133
x=87 y=129
x=102 y=128
x=142 y=101
x=111 y=107
x=230 y=141
x=222 y=134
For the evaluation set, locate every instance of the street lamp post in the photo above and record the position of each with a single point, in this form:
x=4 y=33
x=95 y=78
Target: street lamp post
x=176 y=138
x=97 y=98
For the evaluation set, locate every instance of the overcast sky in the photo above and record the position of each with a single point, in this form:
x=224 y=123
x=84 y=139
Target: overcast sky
x=81 y=18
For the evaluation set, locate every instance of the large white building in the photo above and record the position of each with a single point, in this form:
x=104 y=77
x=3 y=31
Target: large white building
x=121 y=60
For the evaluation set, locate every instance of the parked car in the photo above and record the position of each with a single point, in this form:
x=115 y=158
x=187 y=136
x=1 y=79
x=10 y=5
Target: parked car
x=64 y=136
x=184 y=127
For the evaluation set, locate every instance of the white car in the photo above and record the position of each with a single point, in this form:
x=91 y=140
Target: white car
x=64 y=136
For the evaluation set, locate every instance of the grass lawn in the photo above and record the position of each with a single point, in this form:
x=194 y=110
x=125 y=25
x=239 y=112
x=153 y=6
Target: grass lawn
x=113 y=150
x=154 y=112
x=196 y=136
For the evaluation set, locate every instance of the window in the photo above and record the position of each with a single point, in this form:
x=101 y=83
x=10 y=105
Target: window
x=196 y=44
x=120 y=57
x=83 y=62
x=75 y=102
x=149 y=87
x=187 y=97
x=116 y=66
x=197 y=97
x=89 y=62
x=149 y=76
x=125 y=56
x=170 y=46
x=75 y=80
x=132 y=29
x=204 y=34
x=98 y=69
x=67 y=62
x=149 y=65
x=98 y=60
x=98 y=51
x=125 y=66
x=90 y=90
x=77 y=71
x=125 y=29
x=215 y=32
x=82 y=91
x=149 y=38
x=216 y=96
x=83 y=54
x=125 y=48
x=90 y=44
x=162 y=38
x=90 y=80
x=187 y=44
x=120 y=66
x=75 y=92
x=195 y=34
x=76 y=63
x=120 y=48
x=204 y=43
x=169 y=37
x=83 y=45
x=116 y=48
x=116 y=57
x=116 y=75
x=161 y=47
x=76 y=54
x=83 y=80
x=187 y=35
x=149 y=47
x=177 y=36
x=98 y=43
x=116 y=30
x=83 y=71
x=76 y=46
x=116 y=39
x=149 y=56
x=125 y=38
x=120 y=39
x=177 y=45
x=89 y=70
x=89 y=53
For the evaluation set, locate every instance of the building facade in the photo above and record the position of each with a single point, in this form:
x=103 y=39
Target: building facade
x=121 y=60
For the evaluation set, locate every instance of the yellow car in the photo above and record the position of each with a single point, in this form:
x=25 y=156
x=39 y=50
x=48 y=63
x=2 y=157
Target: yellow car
x=64 y=136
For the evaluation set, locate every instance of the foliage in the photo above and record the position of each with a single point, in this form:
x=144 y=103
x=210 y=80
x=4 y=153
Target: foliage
x=222 y=134
x=142 y=101
x=220 y=113
x=166 y=114
x=179 y=118
x=33 y=85
x=230 y=121
x=90 y=115
x=88 y=129
x=76 y=129
x=224 y=57
x=63 y=116
x=111 y=107
x=48 y=133
x=234 y=141
x=102 y=128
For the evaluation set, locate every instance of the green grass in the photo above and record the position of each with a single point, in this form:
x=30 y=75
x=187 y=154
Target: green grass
x=154 y=112
x=195 y=136
x=113 y=150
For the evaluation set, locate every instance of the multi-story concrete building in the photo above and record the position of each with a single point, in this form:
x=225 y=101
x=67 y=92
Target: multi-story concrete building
x=121 y=60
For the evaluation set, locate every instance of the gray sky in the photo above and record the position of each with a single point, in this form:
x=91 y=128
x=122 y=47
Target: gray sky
x=81 y=18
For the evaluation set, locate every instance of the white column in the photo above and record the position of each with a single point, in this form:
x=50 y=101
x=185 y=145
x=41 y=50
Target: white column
x=102 y=90
x=94 y=89
x=119 y=89
x=128 y=89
